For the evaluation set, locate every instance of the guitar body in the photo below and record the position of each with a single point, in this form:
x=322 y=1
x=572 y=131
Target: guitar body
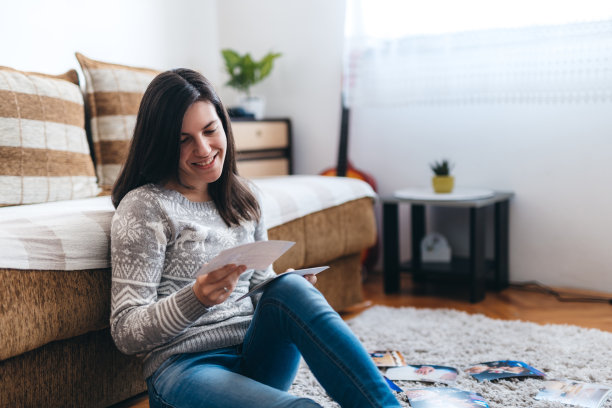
x=351 y=172
x=346 y=169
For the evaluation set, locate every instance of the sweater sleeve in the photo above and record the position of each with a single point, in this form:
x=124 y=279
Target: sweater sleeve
x=140 y=321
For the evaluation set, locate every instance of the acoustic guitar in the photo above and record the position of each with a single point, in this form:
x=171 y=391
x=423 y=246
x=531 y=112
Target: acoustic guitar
x=345 y=168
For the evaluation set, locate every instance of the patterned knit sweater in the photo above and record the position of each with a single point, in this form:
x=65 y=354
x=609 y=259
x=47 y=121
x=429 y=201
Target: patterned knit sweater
x=159 y=240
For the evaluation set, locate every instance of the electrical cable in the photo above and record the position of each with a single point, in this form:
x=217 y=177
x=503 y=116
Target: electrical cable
x=535 y=286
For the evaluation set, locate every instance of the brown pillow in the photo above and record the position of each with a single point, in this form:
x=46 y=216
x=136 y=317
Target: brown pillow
x=44 y=154
x=113 y=98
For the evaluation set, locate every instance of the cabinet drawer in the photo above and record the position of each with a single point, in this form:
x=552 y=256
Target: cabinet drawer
x=263 y=167
x=260 y=135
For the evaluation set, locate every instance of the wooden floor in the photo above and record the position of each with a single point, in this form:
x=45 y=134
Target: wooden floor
x=510 y=304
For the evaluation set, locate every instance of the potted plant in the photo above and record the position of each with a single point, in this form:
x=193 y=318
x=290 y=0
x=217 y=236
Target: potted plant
x=245 y=72
x=442 y=181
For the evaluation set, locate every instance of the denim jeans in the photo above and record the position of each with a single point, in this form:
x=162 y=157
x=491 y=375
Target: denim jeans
x=292 y=319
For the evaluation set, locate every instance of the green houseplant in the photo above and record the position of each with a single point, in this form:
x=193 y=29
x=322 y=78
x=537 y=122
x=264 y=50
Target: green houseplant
x=244 y=72
x=442 y=180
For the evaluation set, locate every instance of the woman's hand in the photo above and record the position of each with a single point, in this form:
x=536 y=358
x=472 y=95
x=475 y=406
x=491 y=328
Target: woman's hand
x=310 y=278
x=215 y=287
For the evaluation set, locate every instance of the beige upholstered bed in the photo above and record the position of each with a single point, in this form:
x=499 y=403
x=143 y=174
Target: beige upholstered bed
x=56 y=348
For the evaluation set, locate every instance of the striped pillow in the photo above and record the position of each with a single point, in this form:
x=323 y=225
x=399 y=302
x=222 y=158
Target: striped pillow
x=113 y=98
x=44 y=154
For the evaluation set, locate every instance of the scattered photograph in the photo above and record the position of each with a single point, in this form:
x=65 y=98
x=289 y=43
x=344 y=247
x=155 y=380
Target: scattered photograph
x=494 y=370
x=444 y=398
x=574 y=393
x=426 y=373
x=388 y=358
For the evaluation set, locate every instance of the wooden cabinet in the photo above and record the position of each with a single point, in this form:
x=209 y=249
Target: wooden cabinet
x=263 y=147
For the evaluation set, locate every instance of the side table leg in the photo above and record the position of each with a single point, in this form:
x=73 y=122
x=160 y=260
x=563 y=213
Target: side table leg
x=391 y=275
x=417 y=222
x=477 y=254
x=502 y=216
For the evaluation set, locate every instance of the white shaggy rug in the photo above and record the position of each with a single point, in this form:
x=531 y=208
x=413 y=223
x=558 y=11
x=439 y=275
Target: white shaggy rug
x=457 y=339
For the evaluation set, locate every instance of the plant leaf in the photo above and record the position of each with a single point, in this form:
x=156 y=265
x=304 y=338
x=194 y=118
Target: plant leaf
x=244 y=71
x=266 y=64
x=232 y=59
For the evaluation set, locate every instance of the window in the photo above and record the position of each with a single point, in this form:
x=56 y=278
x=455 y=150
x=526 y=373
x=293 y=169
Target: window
x=477 y=51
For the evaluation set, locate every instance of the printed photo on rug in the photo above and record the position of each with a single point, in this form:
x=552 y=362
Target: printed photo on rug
x=387 y=358
x=444 y=398
x=574 y=393
x=426 y=373
x=494 y=370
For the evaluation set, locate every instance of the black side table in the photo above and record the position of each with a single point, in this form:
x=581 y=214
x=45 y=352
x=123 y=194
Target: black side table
x=476 y=263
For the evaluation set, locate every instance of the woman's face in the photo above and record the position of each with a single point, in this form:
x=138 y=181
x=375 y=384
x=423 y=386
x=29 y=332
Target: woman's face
x=203 y=146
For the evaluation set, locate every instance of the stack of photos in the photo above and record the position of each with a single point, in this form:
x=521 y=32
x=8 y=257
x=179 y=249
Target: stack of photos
x=425 y=373
x=574 y=393
x=388 y=358
x=494 y=370
x=444 y=398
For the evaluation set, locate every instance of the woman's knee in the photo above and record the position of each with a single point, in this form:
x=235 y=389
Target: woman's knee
x=291 y=286
x=294 y=293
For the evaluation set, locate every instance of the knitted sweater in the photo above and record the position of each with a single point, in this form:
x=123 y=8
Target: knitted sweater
x=159 y=240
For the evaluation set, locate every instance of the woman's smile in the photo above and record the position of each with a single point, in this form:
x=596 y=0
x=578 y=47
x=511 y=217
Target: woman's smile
x=203 y=149
x=205 y=163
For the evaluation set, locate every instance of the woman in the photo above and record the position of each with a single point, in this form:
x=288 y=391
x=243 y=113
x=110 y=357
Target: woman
x=179 y=203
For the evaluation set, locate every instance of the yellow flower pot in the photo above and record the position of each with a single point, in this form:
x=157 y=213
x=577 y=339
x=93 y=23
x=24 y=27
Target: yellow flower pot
x=443 y=184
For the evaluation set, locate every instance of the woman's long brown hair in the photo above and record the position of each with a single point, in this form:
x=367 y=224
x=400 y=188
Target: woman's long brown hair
x=155 y=148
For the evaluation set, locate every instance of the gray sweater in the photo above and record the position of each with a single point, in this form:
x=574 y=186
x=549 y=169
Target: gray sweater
x=159 y=240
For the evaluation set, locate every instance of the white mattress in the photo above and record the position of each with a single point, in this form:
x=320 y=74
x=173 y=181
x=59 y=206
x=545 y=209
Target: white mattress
x=73 y=235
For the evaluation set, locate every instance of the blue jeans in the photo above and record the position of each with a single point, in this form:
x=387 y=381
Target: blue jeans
x=292 y=319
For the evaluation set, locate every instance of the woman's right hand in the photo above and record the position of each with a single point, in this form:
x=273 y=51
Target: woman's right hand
x=215 y=287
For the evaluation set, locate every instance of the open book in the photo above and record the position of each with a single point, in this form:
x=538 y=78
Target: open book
x=258 y=288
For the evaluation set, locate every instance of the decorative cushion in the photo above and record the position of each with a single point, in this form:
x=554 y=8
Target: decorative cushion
x=113 y=98
x=44 y=154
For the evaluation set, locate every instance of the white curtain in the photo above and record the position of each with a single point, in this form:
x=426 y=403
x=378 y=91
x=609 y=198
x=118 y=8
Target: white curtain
x=538 y=63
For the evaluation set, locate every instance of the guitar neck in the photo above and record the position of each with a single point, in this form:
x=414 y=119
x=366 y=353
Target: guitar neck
x=343 y=147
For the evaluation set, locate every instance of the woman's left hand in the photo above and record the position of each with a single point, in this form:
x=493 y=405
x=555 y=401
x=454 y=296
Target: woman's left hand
x=310 y=278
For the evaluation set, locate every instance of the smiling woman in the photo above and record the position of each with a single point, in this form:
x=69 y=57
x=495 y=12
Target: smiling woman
x=203 y=147
x=179 y=203
x=155 y=156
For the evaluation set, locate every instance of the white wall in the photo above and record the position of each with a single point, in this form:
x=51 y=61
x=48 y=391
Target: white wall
x=163 y=34
x=306 y=81
x=555 y=157
x=42 y=36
